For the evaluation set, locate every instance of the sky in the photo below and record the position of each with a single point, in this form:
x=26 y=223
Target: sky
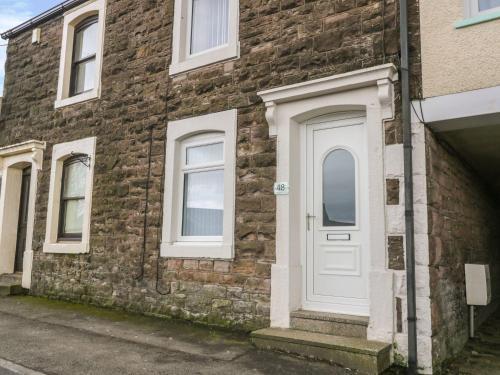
x=15 y=12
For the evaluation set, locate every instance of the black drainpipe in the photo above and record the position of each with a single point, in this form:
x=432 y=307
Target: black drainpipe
x=408 y=181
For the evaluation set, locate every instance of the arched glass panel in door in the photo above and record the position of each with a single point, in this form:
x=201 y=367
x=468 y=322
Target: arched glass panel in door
x=339 y=189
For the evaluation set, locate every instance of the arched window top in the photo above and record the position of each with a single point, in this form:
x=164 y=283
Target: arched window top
x=84 y=56
x=86 y=37
x=339 y=189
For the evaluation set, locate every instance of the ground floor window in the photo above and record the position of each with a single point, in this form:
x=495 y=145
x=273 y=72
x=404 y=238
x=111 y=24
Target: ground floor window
x=199 y=187
x=70 y=197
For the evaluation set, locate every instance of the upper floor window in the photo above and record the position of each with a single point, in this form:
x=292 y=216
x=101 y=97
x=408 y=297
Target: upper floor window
x=205 y=32
x=485 y=5
x=481 y=7
x=81 y=54
x=84 y=56
x=209 y=24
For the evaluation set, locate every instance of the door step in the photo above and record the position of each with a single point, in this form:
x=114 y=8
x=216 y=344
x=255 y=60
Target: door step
x=10 y=285
x=330 y=323
x=368 y=357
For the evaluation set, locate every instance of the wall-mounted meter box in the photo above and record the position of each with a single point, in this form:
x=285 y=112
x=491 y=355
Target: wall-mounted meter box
x=478 y=284
x=35 y=36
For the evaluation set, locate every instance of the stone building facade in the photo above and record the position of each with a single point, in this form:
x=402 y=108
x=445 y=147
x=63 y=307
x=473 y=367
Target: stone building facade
x=291 y=63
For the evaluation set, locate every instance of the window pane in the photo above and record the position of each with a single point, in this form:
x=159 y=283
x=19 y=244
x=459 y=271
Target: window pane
x=74 y=180
x=205 y=154
x=85 y=42
x=209 y=27
x=203 y=204
x=73 y=216
x=84 y=76
x=488 y=4
x=339 y=189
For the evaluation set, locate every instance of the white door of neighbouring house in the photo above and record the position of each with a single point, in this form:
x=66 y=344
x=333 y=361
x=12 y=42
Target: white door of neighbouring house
x=336 y=205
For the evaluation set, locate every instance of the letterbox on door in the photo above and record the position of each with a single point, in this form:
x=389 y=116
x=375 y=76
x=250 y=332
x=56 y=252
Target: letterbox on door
x=478 y=285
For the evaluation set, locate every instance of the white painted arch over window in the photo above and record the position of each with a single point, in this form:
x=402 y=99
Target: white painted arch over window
x=72 y=19
x=60 y=153
x=205 y=32
x=203 y=131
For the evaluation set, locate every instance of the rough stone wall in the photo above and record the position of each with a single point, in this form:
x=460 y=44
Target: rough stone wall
x=282 y=42
x=464 y=227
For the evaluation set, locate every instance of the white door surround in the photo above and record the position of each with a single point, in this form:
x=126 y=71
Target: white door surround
x=370 y=91
x=13 y=159
x=336 y=252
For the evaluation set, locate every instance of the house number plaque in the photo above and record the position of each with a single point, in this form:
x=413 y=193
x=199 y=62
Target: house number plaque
x=281 y=188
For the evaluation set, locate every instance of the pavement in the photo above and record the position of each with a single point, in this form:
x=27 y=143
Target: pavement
x=481 y=355
x=43 y=337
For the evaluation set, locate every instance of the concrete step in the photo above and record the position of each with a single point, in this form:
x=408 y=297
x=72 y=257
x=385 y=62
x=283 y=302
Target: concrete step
x=368 y=357
x=329 y=323
x=10 y=285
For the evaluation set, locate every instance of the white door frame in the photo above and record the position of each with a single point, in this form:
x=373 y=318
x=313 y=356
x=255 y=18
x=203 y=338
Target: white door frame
x=368 y=90
x=13 y=159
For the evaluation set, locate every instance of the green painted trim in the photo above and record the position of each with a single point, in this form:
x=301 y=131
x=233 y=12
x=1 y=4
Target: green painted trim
x=477 y=19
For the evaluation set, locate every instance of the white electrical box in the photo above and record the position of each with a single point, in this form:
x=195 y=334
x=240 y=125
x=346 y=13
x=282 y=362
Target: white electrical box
x=478 y=284
x=35 y=37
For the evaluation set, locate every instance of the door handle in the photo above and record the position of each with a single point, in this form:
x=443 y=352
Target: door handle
x=308 y=217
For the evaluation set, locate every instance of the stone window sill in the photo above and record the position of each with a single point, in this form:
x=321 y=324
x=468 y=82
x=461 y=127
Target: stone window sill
x=66 y=248
x=208 y=58
x=481 y=18
x=198 y=250
x=85 y=97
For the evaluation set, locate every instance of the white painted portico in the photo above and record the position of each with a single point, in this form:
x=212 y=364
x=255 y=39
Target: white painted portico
x=370 y=91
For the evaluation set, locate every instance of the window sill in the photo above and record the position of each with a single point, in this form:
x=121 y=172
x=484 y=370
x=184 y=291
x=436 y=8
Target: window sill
x=202 y=60
x=481 y=18
x=85 y=97
x=66 y=248
x=197 y=250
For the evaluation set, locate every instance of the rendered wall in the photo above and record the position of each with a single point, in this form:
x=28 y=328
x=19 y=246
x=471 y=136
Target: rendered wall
x=456 y=60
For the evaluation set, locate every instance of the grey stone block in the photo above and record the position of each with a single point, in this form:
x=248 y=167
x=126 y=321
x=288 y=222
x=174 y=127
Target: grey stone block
x=368 y=357
x=329 y=323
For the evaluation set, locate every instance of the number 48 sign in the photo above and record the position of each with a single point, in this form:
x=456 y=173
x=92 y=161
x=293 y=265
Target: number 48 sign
x=281 y=188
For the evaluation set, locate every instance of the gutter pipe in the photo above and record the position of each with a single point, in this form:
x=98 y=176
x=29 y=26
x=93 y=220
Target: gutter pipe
x=408 y=184
x=41 y=18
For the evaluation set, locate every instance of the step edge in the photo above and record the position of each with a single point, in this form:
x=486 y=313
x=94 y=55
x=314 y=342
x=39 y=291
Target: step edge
x=345 y=322
x=362 y=335
x=385 y=347
x=356 y=320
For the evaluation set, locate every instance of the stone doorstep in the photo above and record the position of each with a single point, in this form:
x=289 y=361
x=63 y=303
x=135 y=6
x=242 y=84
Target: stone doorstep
x=10 y=285
x=15 y=278
x=330 y=323
x=7 y=289
x=368 y=357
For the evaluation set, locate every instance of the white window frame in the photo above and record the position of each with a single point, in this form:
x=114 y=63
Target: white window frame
x=182 y=134
x=182 y=59
x=472 y=9
x=71 y=20
x=60 y=153
x=203 y=139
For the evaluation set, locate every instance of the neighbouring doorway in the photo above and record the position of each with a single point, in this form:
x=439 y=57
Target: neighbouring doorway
x=23 y=220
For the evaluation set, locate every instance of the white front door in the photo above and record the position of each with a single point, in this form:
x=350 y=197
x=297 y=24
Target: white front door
x=336 y=205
